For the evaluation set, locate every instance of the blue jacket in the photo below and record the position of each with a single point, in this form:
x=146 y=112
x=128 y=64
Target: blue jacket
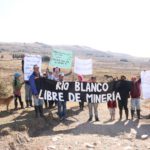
x=32 y=84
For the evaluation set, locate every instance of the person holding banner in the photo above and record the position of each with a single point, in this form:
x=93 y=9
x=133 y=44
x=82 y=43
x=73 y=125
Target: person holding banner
x=61 y=104
x=81 y=104
x=38 y=103
x=55 y=77
x=56 y=73
x=28 y=62
x=48 y=104
x=123 y=87
x=135 y=96
x=92 y=106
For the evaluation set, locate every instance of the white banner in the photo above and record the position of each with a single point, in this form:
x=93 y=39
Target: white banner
x=29 y=62
x=83 y=66
x=145 y=79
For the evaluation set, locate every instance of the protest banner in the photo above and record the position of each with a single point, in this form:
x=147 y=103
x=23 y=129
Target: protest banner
x=76 y=91
x=29 y=62
x=83 y=66
x=61 y=59
x=145 y=80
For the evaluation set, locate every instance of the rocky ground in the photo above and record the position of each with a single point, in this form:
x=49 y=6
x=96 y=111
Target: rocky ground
x=21 y=131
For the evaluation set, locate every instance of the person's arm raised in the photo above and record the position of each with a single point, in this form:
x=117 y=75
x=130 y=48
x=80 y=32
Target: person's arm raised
x=69 y=73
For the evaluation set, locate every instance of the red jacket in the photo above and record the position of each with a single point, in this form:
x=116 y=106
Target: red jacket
x=136 y=89
x=111 y=104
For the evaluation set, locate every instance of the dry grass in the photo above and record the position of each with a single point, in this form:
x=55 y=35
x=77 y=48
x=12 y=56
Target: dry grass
x=20 y=125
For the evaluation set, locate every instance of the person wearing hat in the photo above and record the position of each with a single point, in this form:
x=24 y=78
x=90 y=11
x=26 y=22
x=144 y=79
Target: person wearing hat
x=135 y=96
x=17 y=89
x=61 y=104
x=38 y=103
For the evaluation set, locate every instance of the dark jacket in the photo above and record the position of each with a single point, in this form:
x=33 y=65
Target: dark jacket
x=136 y=89
x=111 y=104
x=124 y=88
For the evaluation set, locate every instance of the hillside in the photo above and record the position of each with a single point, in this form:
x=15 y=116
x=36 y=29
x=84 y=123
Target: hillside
x=42 y=48
x=106 y=62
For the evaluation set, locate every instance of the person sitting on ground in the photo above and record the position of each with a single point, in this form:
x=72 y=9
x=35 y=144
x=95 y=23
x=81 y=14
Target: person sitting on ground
x=92 y=106
x=17 y=90
x=135 y=96
x=123 y=87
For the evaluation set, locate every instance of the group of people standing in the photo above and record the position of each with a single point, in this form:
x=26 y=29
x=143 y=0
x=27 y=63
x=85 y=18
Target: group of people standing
x=126 y=89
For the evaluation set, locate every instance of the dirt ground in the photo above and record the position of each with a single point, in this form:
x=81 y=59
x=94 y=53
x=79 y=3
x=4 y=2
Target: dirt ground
x=20 y=130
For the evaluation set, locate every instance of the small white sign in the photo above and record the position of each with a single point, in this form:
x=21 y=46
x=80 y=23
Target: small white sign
x=29 y=62
x=145 y=79
x=83 y=66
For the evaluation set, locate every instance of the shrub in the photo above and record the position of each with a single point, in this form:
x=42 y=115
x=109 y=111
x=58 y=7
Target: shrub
x=45 y=58
x=124 y=60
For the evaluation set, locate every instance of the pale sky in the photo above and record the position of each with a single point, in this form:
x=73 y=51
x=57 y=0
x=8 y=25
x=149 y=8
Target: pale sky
x=109 y=25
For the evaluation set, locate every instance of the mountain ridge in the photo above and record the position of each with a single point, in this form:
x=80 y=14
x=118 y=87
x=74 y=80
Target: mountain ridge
x=84 y=51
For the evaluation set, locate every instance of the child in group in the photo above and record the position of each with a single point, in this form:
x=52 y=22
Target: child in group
x=112 y=106
x=17 y=90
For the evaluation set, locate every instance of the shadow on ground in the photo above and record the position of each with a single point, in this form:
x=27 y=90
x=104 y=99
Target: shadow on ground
x=44 y=126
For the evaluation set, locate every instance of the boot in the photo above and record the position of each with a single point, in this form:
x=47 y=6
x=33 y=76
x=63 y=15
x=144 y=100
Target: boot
x=127 y=113
x=50 y=104
x=30 y=102
x=96 y=118
x=27 y=103
x=36 y=111
x=45 y=101
x=16 y=105
x=132 y=114
x=41 y=111
x=138 y=113
x=120 y=113
x=22 y=105
x=90 y=119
